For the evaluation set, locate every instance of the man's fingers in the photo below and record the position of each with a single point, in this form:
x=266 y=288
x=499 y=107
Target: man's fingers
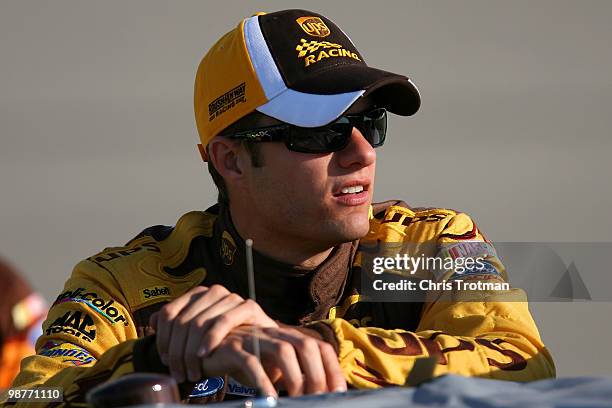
x=166 y=315
x=252 y=371
x=336 y=382
x=281 y=354
x=245 y=367
x=205 y=300
x=309 y=356
x=198 y=330
x=248 y=312
x=196 y=322
x=181 y=360
x=229 y=302
x=176 y=350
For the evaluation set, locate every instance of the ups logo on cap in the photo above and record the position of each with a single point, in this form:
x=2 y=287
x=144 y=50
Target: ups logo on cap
x=313 y=26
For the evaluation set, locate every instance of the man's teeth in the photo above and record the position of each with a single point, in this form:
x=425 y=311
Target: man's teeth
x=352 y=190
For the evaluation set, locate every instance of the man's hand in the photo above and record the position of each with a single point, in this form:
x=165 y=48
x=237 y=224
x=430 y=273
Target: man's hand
x=290 y=356
x=195 y=323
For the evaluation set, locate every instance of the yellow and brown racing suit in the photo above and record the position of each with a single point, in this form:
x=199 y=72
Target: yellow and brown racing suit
x=98 y=328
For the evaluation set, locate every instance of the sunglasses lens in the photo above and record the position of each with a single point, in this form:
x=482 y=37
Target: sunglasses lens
x=373 y=126
x=331 y=138
x=335 y=136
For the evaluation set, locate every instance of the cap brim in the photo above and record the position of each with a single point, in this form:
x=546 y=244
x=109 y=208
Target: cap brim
x=308 y=110
x=327 y=95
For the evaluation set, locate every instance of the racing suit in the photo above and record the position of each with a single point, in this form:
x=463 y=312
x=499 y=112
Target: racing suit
x=98 y=328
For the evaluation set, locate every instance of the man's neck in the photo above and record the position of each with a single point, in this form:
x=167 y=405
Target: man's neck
x=286 y=249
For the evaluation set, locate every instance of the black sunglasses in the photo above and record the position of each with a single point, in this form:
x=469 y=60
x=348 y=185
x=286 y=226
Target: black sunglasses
x=325 y=139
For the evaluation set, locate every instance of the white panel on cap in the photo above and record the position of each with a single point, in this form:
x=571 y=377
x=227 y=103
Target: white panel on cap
x=308 y=110
x=269 y=77
x=284 y=104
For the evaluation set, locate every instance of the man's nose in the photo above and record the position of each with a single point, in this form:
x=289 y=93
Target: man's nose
x=359 y=152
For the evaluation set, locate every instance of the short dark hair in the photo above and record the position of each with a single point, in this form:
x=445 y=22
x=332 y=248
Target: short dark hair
x=250 y=121
x=255 y=154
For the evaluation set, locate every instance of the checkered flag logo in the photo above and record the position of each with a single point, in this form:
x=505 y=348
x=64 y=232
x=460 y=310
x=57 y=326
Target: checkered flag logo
x=307 y=47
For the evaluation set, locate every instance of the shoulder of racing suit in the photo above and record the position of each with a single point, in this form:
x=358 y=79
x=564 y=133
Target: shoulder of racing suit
x=395 y=221
x=116 y=284
x=144 y=269
x=428 y=232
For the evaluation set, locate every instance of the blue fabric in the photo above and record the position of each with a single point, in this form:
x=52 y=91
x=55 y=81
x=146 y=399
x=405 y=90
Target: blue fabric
x=456 y=391
x=463 y=392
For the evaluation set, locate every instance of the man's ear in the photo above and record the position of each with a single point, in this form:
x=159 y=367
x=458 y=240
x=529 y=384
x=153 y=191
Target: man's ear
x=224 y=155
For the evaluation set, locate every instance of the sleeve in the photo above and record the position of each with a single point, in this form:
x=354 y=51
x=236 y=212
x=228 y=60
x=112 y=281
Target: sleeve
x=489 y=333
x=88 y=338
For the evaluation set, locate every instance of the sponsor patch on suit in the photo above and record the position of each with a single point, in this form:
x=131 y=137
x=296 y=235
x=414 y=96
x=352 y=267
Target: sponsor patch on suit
x=236 y=388
x=206 y=387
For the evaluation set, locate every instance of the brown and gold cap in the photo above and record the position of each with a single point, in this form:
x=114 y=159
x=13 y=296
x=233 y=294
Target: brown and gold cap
x=294 y=65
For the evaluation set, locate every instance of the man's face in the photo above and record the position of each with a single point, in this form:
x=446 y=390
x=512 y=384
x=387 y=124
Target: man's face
x=322 y=198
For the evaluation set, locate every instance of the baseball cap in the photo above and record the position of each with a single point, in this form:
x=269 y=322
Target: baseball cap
x=296 y=66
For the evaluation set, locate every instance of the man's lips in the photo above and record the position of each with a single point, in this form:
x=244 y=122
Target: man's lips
x=353 y=193
x=352 y=187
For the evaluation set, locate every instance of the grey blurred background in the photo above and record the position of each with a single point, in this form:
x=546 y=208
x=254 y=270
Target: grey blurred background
x=98 y=139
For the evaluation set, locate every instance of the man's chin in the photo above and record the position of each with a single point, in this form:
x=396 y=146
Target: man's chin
x=354 y=228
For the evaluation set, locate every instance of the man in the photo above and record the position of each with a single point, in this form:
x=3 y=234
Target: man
x=289 y=116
